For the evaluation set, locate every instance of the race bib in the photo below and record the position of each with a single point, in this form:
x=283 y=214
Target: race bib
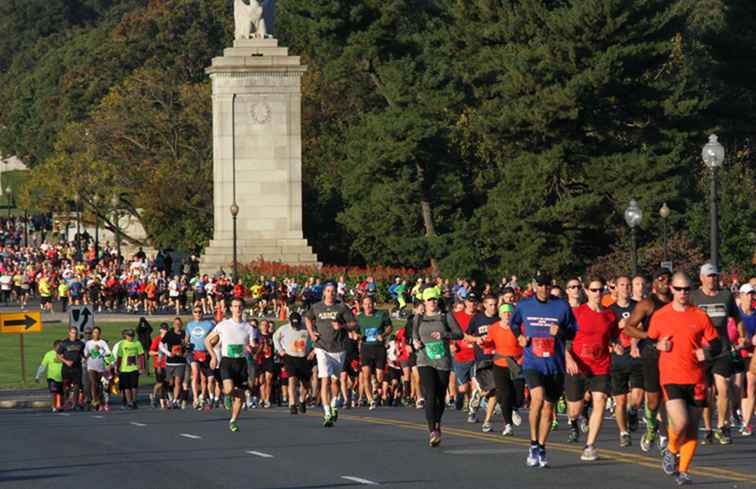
x=235 y=351
x=200 y=356
x=371 y=335
x=95 y=353
x=543 y=347
x=131 y=360
x=435 y=350
x=176 y=350
x=699 y=392
x=590 y=352
x=299 y=346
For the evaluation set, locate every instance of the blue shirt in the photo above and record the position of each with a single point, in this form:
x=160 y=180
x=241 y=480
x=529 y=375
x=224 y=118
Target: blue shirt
x=749 y=322
x=198 y=331
x=533 y=319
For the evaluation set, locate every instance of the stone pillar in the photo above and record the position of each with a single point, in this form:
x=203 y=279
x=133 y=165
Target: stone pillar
x=264 y=84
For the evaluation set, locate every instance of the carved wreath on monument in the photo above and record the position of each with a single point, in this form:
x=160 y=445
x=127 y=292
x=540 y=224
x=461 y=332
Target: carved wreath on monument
x=250 y=19
x=260 y=113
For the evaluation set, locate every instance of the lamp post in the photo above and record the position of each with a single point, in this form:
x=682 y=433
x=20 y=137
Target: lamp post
x=664 y=214
x=713 y=154
x=95 y=201
x=117 y=218
x=234 y=214
x=633 y=217
x=77 y=201
x=9 y=191
x=234 y=205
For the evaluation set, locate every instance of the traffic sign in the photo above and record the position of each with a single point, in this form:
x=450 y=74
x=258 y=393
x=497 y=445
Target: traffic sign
x=667 y=265
x=81 y=316
x=20 y=322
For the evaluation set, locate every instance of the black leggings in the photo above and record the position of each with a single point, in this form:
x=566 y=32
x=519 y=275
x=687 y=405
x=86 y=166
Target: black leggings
x=435 y=383
x=509 y=393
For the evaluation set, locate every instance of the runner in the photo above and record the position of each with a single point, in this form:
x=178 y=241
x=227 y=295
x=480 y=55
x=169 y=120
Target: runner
x=747 y=341
x=681 y=329
x=463 y=360
x=484 y=356
x=198 y=329
x=588 y=363
x=374 y=328
x=173 y=347
x=293 y=345
x=542 y=324
x=160 y=389
x=95 y=351
x=431 y=333
x=130 y=363
x=627 y=369
x=234 y=336
x=328 y=323
x=53 y=366
x=719 y=304
x=71 y=353
x=638 y=323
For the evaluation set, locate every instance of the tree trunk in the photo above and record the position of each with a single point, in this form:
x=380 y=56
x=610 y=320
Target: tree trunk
x=427 y=213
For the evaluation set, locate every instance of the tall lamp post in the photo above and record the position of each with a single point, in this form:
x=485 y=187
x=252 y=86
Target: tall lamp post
x=713 y=154
x=115 y=201
x=77 y=201
x=234 y=205
x=9 y=191
x=664 y=214
x=633 y=217
x=95 y=202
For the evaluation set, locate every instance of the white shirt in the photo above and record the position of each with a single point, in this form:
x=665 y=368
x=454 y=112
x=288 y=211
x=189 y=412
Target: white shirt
x=234 y=337
x=95 y=352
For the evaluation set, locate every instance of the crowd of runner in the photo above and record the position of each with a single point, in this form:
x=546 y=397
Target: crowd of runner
x=659 y=355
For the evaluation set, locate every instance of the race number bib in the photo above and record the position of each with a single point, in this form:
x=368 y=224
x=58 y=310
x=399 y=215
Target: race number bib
x=590 y=352
x=371 y=335
x=177 y=350
x=435 y=350
x=131 y=360
x=299 y=346
x=543 y=347
x=200 y=356
x=235 y=351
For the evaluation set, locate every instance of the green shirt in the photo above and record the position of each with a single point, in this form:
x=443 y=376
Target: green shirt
x=53 y=365
x=372 y=326
x=128 y=352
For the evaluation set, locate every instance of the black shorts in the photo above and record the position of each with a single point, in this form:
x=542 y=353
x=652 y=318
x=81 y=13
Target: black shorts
x=552 y=384
x=297 y=367
x=351 y=365
x=45 y=299
x=626 y=374
x=214 y=373
x=394 y=374
x=373 y=356
x=128 y=380
x=160 y=375
x=72 y=375
x=694 y=395
x=267 y=366
x=719 y=365
x=485 y=379
x=575 y=386
x=650 y=364
x=54 y=386
x=235 y=370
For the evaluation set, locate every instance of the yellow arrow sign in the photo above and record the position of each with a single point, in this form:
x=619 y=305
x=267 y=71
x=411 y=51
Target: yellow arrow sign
x=21 y=322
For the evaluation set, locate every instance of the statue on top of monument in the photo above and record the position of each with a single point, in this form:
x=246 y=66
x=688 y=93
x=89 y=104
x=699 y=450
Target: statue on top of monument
x=253 y=20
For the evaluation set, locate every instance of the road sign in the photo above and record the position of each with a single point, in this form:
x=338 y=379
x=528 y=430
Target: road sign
x=81 y=316
x=20 y=322
x=667 y=265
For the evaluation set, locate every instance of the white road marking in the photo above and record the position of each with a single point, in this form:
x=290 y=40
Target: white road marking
x=98 y=417
x=483 y=451
x=259 y=454
x=359 y=480
x=138 y=424
x=63 y=414
x=192 y=437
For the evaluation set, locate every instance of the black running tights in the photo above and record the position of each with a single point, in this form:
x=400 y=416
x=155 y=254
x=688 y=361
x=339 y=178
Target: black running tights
x=435 y=383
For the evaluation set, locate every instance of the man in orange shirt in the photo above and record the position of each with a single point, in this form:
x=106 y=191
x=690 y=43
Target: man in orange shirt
x=681 y=329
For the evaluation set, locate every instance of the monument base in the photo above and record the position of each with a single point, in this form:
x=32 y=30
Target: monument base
x=220 y=253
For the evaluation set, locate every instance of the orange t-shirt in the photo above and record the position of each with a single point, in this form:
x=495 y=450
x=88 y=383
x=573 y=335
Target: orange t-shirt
x=504 y=343
x=687 y=330
x=607 y=300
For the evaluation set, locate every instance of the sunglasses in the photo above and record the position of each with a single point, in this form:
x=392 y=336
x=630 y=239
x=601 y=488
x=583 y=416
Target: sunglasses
x=543 y=284
x=432 y=299
x=573 y=286
x=596 y=290
x=197 y=311
x=681 y=289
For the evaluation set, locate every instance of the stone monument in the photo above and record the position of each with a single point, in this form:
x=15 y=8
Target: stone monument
x=257 y=146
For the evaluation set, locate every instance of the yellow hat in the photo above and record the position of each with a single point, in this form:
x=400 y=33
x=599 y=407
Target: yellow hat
x=430 y=293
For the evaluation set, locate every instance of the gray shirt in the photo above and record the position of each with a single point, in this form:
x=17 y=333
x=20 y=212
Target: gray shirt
x=294 y=342
x=322 y=315
x=435 y=353
x=718 y=307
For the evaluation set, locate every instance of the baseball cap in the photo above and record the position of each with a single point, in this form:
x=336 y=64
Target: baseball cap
x=164 y=326
x=542 y=278
x=747 y=289
x=505 y=308
x=129 y=332
x=708 y=269
x=430 y=293
x=471 y=297
x=295 y=318
x=662 y=271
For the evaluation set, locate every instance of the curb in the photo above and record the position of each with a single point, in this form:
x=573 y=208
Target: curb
x=29 y=404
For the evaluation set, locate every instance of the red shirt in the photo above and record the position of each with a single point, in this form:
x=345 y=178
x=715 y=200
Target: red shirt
x=465 y=351
x=158 y=361
x=590 y=348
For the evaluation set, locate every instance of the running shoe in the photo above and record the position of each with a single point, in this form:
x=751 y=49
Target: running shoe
x=589 y=454
x=669 y=462
x=532 y=460
x=648 y=439
x=554 y=424
x=486 y=428
x=328 y=421
x=516 y=418
x=449 y=401
x=293 y=409
x=561 y=406
x=227 y=402
x=508 y=431
x=472 y=418
x=334 y=414
x=372 y=406
x=662 y=443
x=233 y=426
x=625 y=440
x=459 y=401
x=583 y=423
x=723 y=435
x=435 y=438
x=303 y=407
x=574 y=435
x=682 y=479
x=747 y=430
x=420 y=403
x=543 y=462
x=708 y=438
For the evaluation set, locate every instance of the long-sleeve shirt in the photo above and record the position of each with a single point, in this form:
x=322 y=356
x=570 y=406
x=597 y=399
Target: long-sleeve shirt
x=435 y=353
x=294 y=342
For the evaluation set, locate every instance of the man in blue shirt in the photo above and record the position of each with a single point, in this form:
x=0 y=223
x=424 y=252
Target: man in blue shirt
x=542 y=324
x=198 y=329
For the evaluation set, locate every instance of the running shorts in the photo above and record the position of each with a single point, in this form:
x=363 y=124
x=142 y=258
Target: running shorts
x=575 y=386
x=719 y=365
x=297 y=367
x=373 y=356
x=394 y=374
x=626 y=374
x=72 y=375
x=650 y=363
x=267 y=366
x=54 y=386
x=552 y=384
x=694 y=395
x=462 y=371
x=329 y=364
x=410 y=362
x=485 y=379
x=128 y=380
x=172 y=371
x=235 y=370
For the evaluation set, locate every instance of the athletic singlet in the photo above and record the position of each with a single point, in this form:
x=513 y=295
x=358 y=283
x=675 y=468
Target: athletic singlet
x=658 y=304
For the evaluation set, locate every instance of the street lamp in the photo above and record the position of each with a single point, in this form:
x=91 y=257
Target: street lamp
x=234 y=214
x=9 y=191
x=77 y=201
x=117 y=217
x=95 y=202
x=633 y=217
x=713 y=154
x=664 y=214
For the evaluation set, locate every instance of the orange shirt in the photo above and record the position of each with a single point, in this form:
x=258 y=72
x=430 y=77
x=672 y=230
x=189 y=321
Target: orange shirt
x=504 y=343
x=687 y=330
x=607 y=300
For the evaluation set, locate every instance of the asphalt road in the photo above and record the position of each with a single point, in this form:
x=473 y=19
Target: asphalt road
x=274 y=450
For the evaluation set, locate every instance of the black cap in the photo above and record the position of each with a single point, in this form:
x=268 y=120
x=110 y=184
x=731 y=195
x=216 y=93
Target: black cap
x=471 y=297
x=542 y=278
x=662 y=271
x=164 y=326
x=507 y=290
x=129 y=332
x=295 y=317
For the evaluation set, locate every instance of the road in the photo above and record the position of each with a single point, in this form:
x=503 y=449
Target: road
x=274 y=450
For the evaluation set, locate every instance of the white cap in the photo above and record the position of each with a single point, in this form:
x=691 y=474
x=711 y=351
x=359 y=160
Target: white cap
x=747 y=289
x=709 y=269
